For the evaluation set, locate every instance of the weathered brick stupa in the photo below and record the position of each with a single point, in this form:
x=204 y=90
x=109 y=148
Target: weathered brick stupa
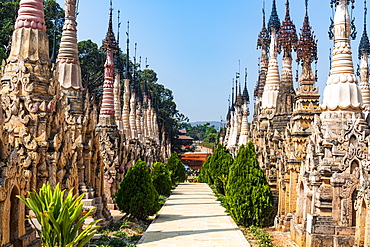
x=109 y=138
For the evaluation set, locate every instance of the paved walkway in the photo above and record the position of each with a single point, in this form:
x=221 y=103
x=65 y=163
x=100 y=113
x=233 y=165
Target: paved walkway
x=193 y=217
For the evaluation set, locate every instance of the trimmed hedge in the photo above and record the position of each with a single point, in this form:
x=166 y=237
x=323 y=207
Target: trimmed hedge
x=176 y=168
x=248 y=196
x=161 y=179
x=136 y=194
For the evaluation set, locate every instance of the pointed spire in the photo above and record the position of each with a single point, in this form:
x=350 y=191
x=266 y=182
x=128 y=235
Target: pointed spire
x=110 y=41
x=274 y=21
x=118 y=25
x=232 y=97
x=68 y=62
x=127 y=74
x=307 y=43
x=238 y=91
x=272 y=84
x=264 y=36
x=245 y=91
x=364 y=47
x=31 y=15
x=306 y=50
x=109 y=44
x=287 y=37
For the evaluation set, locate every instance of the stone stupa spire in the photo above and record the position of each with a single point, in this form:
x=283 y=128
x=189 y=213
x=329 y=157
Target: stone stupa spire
x=307 y=103
x=271 y=88
x=341 y=91
x=363 y=55
x=68 y=62
x=263 y=43
x=287 y=41
x=110 y=45
x=307 y=51
x=244 y=129
x=127 y=89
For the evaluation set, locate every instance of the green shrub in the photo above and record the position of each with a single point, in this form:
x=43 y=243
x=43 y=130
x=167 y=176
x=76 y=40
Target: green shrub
x=248 y=196
x=60 y=217
x=176 y=168
x=216 y=169
x=161 y=179
x=204 y=175
x=136 y=194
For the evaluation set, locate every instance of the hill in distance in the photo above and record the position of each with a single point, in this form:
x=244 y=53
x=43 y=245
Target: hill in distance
x=217 y=124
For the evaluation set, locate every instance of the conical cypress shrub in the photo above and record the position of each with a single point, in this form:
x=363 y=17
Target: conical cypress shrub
x=161 y=179
x=204 y=175
x=248 y=196
x=219 y=167
x=136 y=194
x=176 y=168
x=216 y=168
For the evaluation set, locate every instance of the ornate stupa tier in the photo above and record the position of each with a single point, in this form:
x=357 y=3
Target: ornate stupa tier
x=341 y=91
x=287 y=69
x=68 y=62
x=107 y=108
x=244 y=129
x=364 y=81
x=117 y=102
x=30 y=41
x=31 y=45
x=132 y=117
x=27 y=69
x=287 y=40
x=31 y=15
x=271 y=88
x=126 y=108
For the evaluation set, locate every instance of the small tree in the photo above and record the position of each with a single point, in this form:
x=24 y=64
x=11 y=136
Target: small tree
x=161 y=179
x=60 y=218
x=248 y=196
x=176 y=168
x=215 y=170
x=136 y=194
x=204 y=175
x=219 y=167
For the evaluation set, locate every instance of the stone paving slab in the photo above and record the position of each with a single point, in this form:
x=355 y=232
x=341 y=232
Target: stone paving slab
x=191 y=216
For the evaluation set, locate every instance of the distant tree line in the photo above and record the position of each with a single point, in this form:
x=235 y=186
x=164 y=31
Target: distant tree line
x=206 y=133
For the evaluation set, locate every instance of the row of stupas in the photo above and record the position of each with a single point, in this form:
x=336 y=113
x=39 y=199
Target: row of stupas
x=315 y=156
x=238 y=128
x=51 y=132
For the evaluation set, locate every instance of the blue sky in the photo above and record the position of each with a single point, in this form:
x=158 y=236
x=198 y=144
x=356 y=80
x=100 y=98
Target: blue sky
x=195 y=45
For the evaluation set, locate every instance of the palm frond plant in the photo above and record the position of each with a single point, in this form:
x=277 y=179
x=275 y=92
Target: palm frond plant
x=60 y=217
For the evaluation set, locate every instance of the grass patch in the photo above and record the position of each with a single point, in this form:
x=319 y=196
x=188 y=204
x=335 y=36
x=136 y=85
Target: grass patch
x=125 y=232
x=257 y=237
